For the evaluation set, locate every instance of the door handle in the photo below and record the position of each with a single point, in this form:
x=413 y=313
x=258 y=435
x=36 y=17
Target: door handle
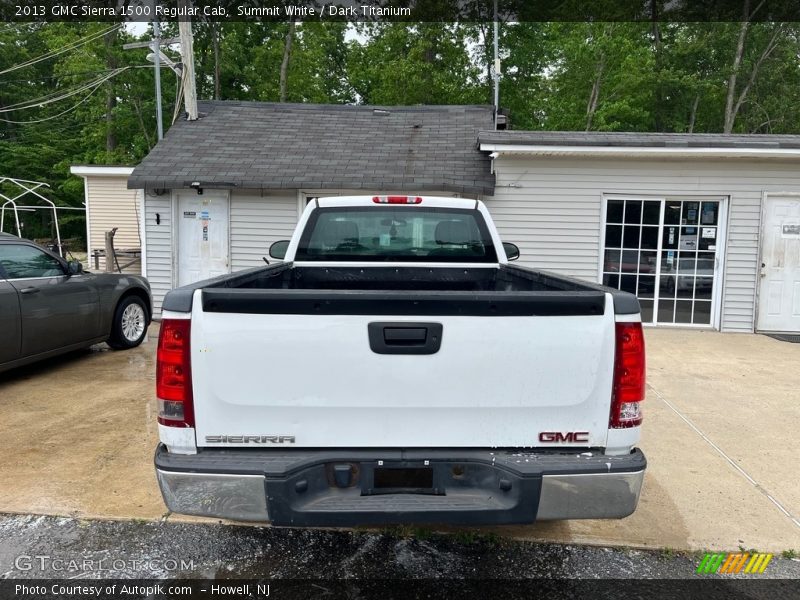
x=29 y=290
x=404 y=337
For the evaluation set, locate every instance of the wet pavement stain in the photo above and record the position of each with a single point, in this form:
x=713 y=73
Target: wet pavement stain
x=130 y=549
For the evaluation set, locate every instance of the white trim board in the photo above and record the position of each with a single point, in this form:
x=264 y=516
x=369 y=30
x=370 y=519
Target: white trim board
x=641 y=152
x=100 y=170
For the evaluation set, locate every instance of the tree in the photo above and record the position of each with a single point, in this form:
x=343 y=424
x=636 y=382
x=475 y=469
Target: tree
x=420 y=63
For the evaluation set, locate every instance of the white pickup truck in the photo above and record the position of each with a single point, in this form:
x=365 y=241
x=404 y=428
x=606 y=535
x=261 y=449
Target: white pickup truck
x=395 y=368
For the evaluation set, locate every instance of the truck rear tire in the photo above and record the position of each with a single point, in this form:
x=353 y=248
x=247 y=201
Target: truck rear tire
x=130 y=324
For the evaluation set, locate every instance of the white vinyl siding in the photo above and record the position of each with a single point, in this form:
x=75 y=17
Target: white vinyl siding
x=551 y=208
x=256 y=222
x=159 y=246
x=112 y=205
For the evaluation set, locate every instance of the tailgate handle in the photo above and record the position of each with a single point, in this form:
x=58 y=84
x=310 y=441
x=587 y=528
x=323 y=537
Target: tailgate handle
x=405 y=337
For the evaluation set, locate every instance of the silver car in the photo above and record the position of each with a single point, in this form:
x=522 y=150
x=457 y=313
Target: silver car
x=49 y=306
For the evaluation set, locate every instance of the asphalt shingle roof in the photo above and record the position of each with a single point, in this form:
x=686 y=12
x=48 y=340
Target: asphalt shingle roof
x=292 y=146
x=638 y=140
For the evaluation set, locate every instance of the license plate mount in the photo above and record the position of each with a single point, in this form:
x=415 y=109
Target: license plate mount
x=403 y=480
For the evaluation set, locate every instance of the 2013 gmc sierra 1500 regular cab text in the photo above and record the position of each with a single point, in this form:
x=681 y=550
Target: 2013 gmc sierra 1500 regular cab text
x=396 y=369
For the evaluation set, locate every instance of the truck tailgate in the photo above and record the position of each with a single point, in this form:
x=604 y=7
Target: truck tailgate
x=318 y=381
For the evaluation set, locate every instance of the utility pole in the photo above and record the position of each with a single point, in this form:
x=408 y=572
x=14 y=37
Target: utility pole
x=155 y=45
x=496 y=67
x=187 y=52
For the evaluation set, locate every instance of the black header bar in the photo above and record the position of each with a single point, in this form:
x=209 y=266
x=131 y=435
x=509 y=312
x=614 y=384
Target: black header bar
x=22 y=11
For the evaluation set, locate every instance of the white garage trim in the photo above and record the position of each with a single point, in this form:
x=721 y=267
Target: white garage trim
x=640 y=152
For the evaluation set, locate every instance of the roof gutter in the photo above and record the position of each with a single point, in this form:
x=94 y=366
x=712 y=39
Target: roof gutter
x=639 y=151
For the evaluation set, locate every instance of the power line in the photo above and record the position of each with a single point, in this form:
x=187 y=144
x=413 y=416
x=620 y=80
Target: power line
x=66 y=75
x=62 y=94
x=26 y=135
x=58 y=96
x=54 y=53
x=89 y=95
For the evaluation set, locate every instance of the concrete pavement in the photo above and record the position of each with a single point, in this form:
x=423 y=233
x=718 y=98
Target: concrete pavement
x=720 y=431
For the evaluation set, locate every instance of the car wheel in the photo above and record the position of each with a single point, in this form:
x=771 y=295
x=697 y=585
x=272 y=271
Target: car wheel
x=130 y=324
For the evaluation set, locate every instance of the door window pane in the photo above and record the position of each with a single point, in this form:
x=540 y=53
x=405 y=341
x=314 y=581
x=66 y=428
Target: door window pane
x=688 y=238
x=22 y=262
x=683 y=311
x=611 y=280
x=633 y=211
x=703 y=287
x=627 y=283
x=613 y=236
x=647 y=262
x=670 y=237
x=702 y=313
x=614 y=211
x=647 y=286
x=630 y=261
x=667 y=289
x=612 y=261
x=666 y=309
x=672 y=213
x=630 y=238
x=708 y=238
x=708 y=214
x=650 y=238
x=687 y=262
x=669 y=262
x=651 y=212
x=685 y=287
x=690 y=214
x=705 y=264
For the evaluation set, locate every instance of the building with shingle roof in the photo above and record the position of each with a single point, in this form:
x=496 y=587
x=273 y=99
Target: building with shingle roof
x=273 y=146
x=703 y=228
x=218 y=191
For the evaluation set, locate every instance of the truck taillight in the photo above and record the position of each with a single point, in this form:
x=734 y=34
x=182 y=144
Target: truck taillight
x=629 y=376
x=397 y=200
x=174 y=374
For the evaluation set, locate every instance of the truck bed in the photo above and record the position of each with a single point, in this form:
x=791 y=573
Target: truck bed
x=502 y=279
x=502 y=291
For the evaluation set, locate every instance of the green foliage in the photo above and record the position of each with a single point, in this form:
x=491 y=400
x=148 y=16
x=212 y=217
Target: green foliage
x=421 y=63
x=109 y=123
x=576 y=76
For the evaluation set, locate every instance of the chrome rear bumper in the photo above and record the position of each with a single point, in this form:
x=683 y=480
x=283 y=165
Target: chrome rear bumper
x=499 y=487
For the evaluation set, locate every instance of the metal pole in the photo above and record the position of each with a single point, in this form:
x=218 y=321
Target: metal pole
x=156 y=46
x=496 y=68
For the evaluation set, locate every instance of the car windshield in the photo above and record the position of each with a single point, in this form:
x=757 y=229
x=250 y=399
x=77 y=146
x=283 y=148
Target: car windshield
x=396 y=233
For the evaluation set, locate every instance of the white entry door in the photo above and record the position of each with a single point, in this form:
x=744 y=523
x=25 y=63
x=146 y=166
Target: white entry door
x=202 y=236
x=779 y=299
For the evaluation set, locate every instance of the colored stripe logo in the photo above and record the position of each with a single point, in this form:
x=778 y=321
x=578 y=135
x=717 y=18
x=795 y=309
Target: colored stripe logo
x=734 y=562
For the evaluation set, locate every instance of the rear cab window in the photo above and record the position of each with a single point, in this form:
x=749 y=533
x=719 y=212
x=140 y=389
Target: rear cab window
x=384 y=233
